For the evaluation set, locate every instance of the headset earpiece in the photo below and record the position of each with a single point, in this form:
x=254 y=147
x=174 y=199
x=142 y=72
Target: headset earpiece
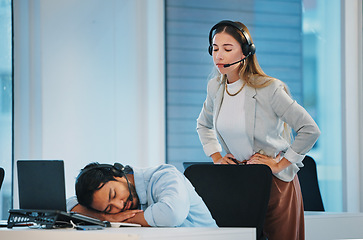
x=210 y=50
x=247 y=49
x=117 y=169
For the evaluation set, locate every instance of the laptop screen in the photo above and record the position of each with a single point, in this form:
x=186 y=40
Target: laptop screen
x=41 y=184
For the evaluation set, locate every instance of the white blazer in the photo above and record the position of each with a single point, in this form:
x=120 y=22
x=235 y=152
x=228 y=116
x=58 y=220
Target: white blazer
x=267 y=109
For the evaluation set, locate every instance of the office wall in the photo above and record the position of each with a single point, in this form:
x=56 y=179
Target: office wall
x=89 y=82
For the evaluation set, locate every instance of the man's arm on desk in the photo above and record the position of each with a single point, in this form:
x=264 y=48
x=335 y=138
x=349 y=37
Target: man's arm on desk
x=119 y=217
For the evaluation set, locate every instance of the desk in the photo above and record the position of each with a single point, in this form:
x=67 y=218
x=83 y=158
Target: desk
x=327 y=226
x=130 y=233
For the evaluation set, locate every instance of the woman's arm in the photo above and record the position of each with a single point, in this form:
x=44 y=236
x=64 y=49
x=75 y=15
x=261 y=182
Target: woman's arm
x=307 y=131
x=205 y=124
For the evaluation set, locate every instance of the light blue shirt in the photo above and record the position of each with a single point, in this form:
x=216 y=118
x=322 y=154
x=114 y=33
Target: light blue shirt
x=168 y=199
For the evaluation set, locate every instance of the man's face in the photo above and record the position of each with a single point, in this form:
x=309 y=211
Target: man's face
x=113 y=197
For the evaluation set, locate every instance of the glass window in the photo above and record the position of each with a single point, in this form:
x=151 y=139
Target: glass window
x=6 y=113
x=322 y=93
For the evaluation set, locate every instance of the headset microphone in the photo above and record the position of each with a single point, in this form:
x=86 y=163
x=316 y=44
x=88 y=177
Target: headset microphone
x=230 y=64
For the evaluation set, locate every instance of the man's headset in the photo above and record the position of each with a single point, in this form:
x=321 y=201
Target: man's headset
x=117 y=169
x=248 y=48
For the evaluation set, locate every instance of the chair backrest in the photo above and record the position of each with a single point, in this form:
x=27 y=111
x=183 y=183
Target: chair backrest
x=236 y=195
x=187 y=164
x=2 y=174
x=309 y=184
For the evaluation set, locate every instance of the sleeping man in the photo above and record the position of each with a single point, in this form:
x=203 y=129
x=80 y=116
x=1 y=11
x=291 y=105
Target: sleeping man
x=158 y=196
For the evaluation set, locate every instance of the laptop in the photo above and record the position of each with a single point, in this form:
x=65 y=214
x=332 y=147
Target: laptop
x=42 y=196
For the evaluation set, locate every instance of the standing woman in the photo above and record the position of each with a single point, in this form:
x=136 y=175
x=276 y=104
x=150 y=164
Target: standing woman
x=250 y=114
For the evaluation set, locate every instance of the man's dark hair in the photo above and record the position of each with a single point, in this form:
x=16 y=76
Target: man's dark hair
x=90 y=179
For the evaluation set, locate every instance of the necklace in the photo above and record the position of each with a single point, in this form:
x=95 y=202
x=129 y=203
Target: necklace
x=234 y=94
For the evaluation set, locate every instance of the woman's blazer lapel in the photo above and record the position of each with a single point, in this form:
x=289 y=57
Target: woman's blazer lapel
x=218 y=101
x=250 y=108
x=217 y=107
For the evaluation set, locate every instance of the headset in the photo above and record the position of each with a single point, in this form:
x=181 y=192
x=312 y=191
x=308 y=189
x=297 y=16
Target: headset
x=248 y=48
x=117 y=169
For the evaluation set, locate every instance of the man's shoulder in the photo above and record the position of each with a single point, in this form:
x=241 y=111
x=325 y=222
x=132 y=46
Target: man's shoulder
x=167 y=166
x=166 y=169
x=166 y=173
x=158 y=170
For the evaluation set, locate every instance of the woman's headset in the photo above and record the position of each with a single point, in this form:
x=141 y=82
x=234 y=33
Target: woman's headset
x=248 y=48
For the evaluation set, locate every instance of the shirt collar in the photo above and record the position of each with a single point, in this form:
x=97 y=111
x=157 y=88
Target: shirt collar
x=140 y=185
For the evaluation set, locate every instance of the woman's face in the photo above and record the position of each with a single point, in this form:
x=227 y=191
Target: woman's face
x=227 y=50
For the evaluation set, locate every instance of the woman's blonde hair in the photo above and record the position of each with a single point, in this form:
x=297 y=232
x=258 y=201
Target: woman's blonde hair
x=250 y=70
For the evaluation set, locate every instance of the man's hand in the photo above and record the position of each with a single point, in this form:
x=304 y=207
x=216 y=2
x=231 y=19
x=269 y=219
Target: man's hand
x=138 y=218
x=122 y=216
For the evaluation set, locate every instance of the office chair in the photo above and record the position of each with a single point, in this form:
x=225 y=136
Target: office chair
x=309 y=184
x=2 y=175
x=236 y=195
x=187 y=164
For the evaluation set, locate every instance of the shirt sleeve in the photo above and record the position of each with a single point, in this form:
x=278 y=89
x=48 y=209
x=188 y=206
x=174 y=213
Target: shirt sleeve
x=205 y=125
x=300 y=120
x=170 y=198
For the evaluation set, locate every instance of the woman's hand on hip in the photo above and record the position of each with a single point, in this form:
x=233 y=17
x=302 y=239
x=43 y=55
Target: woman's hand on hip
x=227 y=159
x=273 y=163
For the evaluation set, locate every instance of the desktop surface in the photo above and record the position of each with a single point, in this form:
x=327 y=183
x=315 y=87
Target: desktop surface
x=130 y=233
